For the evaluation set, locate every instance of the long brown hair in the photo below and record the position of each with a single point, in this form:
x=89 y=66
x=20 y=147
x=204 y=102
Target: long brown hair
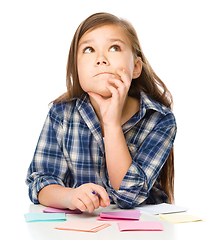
x=148 y=81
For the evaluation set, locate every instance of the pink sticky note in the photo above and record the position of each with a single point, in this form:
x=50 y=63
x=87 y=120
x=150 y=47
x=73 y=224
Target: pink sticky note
x=57 y=210
x=83 y=226
x=129 y=215
x=140 y=226
x=113 y=219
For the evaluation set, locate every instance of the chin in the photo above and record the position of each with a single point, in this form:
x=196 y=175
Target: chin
x=105 y=93
x=106 y=96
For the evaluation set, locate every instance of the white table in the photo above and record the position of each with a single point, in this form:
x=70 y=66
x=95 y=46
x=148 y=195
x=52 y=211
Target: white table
x=45 y=230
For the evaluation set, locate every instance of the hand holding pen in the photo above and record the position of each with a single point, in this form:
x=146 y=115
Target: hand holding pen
x=88 y=196
x=93 y=192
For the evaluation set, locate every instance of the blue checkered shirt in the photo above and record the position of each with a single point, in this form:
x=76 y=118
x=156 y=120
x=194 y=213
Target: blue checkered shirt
x=70 y=151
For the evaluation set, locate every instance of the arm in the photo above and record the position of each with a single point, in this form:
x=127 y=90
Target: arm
x=118 y=159
x=82 y=197
x=131 y=178
x=54 y=195
x=49 y=177
x=49 y=165
x=149 y=156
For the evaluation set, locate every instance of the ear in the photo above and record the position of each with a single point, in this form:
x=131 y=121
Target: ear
x=137 y=67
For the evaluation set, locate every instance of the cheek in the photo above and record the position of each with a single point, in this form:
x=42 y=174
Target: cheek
x=84 y=67
x=132 y=65
x=79 y=69
x=130 y=68
x=128 y=64
x=82 y=72
x=80 y=76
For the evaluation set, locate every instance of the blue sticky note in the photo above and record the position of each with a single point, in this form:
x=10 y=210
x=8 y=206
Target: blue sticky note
x=44 y=217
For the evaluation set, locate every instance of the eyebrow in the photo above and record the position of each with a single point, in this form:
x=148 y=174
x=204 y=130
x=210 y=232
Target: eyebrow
x=109 y=40
x=116 y=40
x=85 y=42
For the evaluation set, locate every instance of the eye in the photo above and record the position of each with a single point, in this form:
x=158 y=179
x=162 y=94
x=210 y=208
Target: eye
x=115 y=48
x=88 y=50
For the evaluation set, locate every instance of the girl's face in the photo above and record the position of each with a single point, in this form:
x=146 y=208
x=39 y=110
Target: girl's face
x=100 y=52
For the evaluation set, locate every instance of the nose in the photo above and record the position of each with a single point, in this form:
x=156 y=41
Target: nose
x=101 y=60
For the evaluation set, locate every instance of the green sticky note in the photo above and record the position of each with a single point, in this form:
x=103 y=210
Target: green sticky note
x=44 y=217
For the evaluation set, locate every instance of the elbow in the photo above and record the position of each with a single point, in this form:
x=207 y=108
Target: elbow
x=131 y=198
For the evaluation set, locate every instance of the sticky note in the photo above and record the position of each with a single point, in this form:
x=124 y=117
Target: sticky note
x=161 y=208
x=120 y=215
x=82 y=226
x=57 y=210
x=179 y=218
x=113 y=219
x=43 y=217
x=140 y=226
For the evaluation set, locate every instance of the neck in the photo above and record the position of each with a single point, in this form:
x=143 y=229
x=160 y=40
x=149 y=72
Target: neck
x=131 y=106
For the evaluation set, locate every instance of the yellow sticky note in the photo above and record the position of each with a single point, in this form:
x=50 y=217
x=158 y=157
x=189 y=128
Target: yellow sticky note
x=179 y=218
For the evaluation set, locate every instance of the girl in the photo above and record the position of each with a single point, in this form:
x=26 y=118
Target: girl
x=111 y=134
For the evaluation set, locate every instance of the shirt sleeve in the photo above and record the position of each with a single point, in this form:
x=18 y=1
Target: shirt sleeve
x=146 y=165
x=48 y=165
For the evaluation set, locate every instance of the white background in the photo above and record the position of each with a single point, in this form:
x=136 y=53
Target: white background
x=34 y=44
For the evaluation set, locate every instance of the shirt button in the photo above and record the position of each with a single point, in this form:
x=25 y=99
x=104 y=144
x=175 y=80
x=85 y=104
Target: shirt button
x=101 y=154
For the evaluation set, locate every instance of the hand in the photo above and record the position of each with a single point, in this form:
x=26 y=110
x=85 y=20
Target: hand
x=111 y=108
x=83 y=198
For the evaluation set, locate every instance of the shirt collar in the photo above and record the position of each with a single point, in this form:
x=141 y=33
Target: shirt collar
x=82 y=101
x=145 y=103
x=148 y=103
x=87 y=112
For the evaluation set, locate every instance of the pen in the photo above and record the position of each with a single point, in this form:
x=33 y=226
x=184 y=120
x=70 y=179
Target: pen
x=93 y=192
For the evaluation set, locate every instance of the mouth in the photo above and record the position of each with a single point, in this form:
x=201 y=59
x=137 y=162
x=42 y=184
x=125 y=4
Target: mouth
x=103 y=73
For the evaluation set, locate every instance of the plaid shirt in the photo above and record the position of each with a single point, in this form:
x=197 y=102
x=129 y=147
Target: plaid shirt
x=71 y=152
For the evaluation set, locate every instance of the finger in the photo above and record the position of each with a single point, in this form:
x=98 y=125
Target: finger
x=95 y=199
x=118 y=83
x=124 y=76
x=113 y=90
x=80 y=205
x=88 y=203
x=103 y=194
x=102 y=204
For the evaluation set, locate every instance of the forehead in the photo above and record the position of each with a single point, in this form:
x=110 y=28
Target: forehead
x=103 y=33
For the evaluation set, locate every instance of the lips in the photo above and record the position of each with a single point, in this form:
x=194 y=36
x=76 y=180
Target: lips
x=102 y=73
